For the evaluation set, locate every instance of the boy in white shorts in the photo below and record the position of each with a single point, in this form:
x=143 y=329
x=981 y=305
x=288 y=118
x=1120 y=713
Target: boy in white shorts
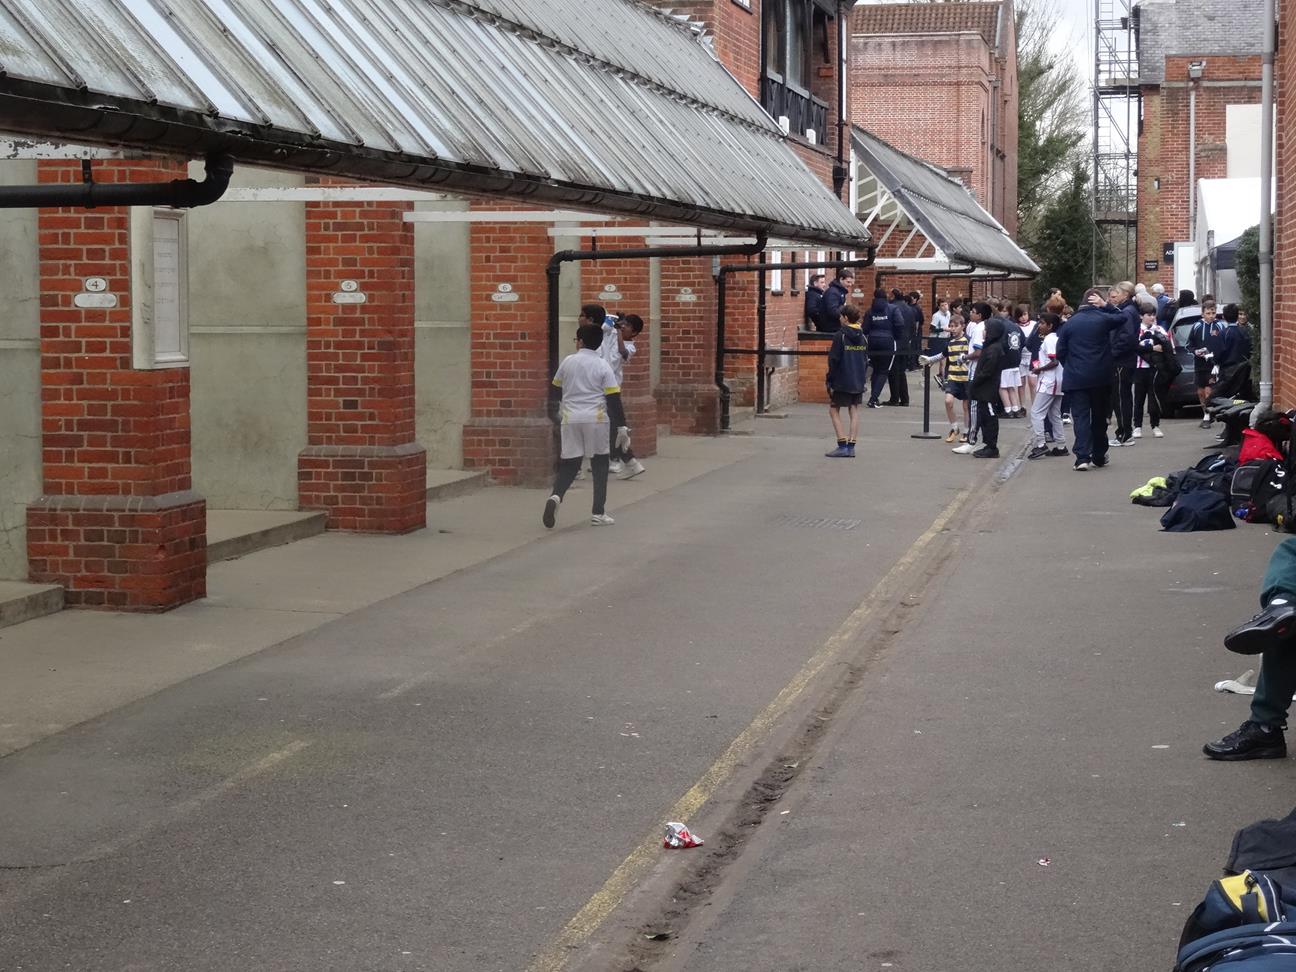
x=591 y=407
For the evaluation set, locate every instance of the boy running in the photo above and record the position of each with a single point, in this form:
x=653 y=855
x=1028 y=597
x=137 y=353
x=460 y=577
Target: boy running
x=590 y=397
x=956 y=379
x=847 y=361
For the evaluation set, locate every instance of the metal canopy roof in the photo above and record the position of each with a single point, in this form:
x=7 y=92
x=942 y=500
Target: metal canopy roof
x=940 y=208
x=627 y=111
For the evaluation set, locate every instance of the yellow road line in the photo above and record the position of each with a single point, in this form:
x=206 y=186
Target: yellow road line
x=586 y=922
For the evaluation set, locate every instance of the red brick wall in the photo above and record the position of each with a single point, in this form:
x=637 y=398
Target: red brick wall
x=119 y=524
x=735 y=32
x=361 y=465
x=1163 y=150
x=1284 y=303
x=688 y=400
x=510 y=433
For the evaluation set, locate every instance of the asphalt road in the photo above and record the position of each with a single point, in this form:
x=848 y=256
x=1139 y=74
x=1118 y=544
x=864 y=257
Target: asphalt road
x=444 y=780
x=882 y=728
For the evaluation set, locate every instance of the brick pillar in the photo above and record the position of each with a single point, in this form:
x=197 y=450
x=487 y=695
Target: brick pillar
x=118 y=525
x=630 y=278
x=362 y=464
x=687 y=397
x=510 y=432
x=1284 y=224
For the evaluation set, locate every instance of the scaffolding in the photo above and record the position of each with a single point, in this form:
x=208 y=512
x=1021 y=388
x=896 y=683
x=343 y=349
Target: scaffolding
x=1116 y=113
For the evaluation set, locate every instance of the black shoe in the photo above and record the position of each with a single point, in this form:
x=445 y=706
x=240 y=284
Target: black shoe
x=889 y=403
x=1039 y=452
x=1271 y=628
x=1206 y=422
x=551 y=510
x=1250 y=740
x=1099 y=463
x=1060 y=451
x=986 y=452
x=874 y=403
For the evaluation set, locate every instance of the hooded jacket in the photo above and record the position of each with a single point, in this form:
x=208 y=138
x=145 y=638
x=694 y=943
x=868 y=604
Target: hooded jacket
x=1084 y=347
x=835 y=298
x=1124 y=340
x=985 y=383
x=848 y=361
x=881 y=326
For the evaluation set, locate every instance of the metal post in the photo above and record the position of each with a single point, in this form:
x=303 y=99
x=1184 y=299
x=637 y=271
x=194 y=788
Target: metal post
x=1266 y=223
x=926 y=433
x=760 y=342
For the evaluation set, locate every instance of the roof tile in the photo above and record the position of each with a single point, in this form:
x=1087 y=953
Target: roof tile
x=927 y=18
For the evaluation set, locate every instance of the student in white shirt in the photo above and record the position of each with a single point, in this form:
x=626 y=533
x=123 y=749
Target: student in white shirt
x=591 y=407
x=978 y=314
x=1048 y=393
x=618 y=347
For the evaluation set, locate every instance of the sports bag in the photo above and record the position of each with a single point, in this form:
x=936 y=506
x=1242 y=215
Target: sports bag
x=1257 y=445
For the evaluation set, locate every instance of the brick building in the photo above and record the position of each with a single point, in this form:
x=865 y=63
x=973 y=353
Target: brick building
x=939 y=81
x=1195 y=58
x=1284 y=296
x=370 y=298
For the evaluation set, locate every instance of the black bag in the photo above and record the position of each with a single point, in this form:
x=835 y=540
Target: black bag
x=1201 y=509
x=1247 y=478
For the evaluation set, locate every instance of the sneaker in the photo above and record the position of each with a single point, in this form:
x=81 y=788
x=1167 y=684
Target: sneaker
x=1157 y=433
x=1114 y=443
x=986 y=452
x=850 y=448
x=1271 y=628
x=1206 y=422
x=630 y=470
x=841 y=452
x=1138 y=433
x=1066 y=419
x=1039 y=452
x=963 y=437
x=1099 y=463
x=952 y=435
x=1060 y=451
x=615 y=466
x=1251 y=740
x=874 y=403
x=1082 y=466
x=601 y=519
x=551 y=510
x=966 y=449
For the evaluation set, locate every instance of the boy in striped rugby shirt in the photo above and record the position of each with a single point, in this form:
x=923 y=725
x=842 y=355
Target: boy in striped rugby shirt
x=956 y=379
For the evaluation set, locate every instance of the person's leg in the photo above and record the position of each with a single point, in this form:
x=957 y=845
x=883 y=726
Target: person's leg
x=1082 y=425
x=599 y=466
x=1153 y=397
x=1039 y=409
x=1004 y=399
x=567 y=470
x=1126 y=390
x=1099 y=409
x=989 y=424
x=881 y=371
x=902 y=383
x=1141 y=385
x=834 y=413
x=949 y=410
x=967 y=415
x=1055 y=418
x=854 y=427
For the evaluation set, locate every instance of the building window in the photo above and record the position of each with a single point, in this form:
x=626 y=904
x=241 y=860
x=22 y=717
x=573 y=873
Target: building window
x=795 y=41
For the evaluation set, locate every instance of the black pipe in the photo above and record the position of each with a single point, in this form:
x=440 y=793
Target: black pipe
x=841 y=165
x=968 y=271
x=761 y=308
x=179 y=193
x=554 y=269
x=760 y=268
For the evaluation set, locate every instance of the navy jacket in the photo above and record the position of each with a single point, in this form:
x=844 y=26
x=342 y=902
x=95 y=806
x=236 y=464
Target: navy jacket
x=814 y=306
x=1234 y=347
x=1084 y=347
x=881 y=324
x=1124 y=340
x=835 y=298
x=909 y=322
x=848 y=360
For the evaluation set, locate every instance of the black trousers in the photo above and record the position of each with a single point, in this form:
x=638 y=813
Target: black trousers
x=898 y=381
x=988 y=423
x=881 y=365
x=1089 y=411
x=1147 y=383
x=1122 y=402
x=567 y=470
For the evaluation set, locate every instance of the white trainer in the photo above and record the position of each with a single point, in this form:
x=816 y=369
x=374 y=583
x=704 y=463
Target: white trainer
x=630 y=469
x=966 y=449
x=601 y=519
x=615 y=466
x=1157 y=433
x=1114 y=442
x=1138 y=433
x=551 y=510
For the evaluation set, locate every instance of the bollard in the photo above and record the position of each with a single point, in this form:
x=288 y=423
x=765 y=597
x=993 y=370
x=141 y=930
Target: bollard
x=926 y=433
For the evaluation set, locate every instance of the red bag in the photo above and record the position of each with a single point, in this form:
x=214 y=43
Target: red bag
x=1257 y=445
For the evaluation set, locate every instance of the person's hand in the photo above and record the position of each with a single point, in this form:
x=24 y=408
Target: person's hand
x=1095 y=300
x=623 y=438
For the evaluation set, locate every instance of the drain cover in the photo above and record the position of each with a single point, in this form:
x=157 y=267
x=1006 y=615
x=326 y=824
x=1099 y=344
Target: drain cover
x=816 y=522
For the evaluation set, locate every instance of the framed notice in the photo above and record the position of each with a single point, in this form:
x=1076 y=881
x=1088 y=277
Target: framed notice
x=159 y=288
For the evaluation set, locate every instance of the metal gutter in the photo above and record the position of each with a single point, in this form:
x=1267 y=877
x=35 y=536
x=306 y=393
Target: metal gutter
x=178 y=193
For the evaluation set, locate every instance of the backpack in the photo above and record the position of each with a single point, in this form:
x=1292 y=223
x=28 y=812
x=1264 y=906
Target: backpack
x=1201 y=509
x=1013 y=338
x=1257 y=445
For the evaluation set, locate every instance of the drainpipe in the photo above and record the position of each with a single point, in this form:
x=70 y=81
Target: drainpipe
x=966 y=272
x=554 y=269
x=1194 y=74
x=761 y=307
x=841 y=166
x=1266 y=223
x=179 y=193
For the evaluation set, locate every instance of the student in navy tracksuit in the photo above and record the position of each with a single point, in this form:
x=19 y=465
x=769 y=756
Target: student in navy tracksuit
x=1084 y=348
x=836 y=297
x=847 y=362
x=1233 y=357
x=1124 y=346
x=880 y=327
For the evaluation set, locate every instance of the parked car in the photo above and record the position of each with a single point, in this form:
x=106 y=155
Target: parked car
x=1183 y=390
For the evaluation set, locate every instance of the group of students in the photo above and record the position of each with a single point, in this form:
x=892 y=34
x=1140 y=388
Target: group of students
x=1109 y=360
x=590 y=382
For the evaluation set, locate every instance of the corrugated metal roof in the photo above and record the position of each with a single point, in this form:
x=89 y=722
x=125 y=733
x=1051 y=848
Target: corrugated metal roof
x=626 y=110
x=942 y=208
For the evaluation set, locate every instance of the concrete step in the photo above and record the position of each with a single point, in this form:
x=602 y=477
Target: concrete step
x=235 y=533
x=445 y=483
x=20 y=601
